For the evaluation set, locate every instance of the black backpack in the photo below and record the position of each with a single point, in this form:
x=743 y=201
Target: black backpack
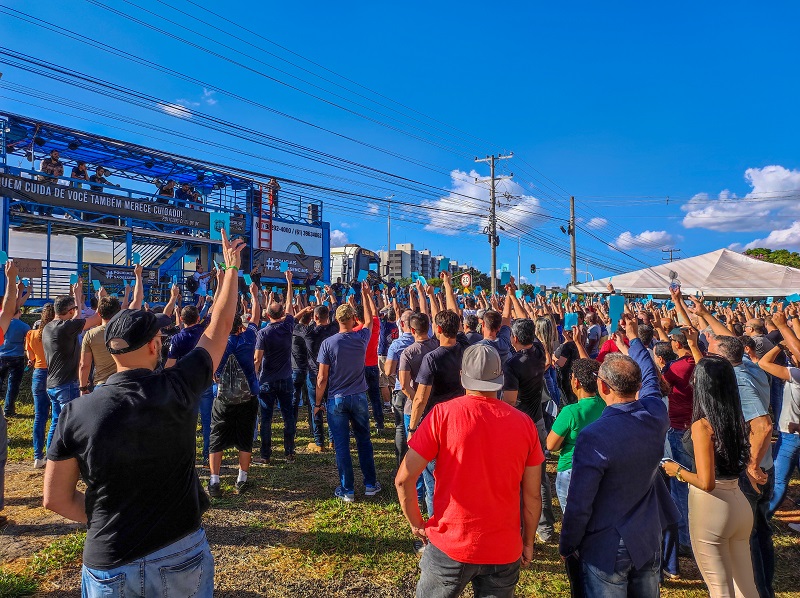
x=192 y=284
x=232 y=388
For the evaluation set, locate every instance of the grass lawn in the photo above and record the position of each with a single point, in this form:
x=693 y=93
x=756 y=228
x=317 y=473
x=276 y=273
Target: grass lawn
x=289 y=536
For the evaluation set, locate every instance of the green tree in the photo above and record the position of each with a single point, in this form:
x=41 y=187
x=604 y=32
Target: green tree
x=784 y=257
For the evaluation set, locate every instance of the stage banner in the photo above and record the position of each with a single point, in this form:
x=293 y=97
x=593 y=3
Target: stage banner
x=52 y=194
x=301 y=266
x=118 y=275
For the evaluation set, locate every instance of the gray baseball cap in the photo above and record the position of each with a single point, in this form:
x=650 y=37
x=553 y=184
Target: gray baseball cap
x=481 y=369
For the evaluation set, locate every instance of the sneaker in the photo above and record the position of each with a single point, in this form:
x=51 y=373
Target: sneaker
x=290 y=458
x=345 y=496
x=214 y=490
x=313 y=447
x=671 y=576
x=373 y=490
x=39 y=463
x=261 y=460
x=419 y=546
x=241 y=486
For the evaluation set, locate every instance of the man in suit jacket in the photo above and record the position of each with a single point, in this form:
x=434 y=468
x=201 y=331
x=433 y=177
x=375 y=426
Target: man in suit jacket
x=621 y=503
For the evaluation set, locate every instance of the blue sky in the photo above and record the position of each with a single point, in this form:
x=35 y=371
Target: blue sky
x=673 y=126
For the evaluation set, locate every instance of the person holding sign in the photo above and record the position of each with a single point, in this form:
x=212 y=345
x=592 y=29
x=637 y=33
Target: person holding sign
x=133 y=441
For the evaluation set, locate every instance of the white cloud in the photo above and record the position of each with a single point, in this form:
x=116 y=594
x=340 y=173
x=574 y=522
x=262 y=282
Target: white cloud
x=649 y=239
x=774 y=193
x=345 y=225
x=787 y=238
x=176 y=109
x=338 y=238
x=208 y=97
x=467 y=206
x=372 y=208
x=596 y=223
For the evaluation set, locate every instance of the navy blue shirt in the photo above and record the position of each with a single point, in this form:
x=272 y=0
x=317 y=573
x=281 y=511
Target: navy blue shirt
x=185 y=341
x=275 y=339
x=14 y=343
x=344 y=353
x=243 y=348
x=389 y=333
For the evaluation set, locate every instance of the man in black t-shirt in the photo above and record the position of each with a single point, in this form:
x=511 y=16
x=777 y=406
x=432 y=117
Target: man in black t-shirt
x=63 y=351
x=438 y=380
x=132 y=441
x=522 y=387
x=313 y=335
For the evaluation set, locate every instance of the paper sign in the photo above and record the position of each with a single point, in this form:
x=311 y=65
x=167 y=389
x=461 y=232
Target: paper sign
x=381 y=286
x=209 y=293
x=174 y=279
x=478 y=290
x=616 y=306
x=274 y=289
x=216 y=222
x=505 y=277
x=73 y=279
x=422 y=280
x=794 y=298
x=362 y=275
x=414 y=276
x=649 y=297
x=769 y=300
x=247 y=279
x=312 y=299
x=436 y=290
x=444 y=265
x=136 y=259
x=3 y=258
x=570 y=321
x=505 y=268
x=25 y=282
x=284 y=266
x=519 y=293
x=536 y=290
x=326 y=304
x=96 y=285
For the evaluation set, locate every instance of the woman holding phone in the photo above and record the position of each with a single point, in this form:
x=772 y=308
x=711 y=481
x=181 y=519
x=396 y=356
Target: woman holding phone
x=720 y=517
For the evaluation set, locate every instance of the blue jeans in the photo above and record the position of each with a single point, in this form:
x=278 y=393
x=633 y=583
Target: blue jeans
x=206 y=403
x=679 y=490
x=60 y=396
x=776 y=399
x=373 y=376
x=420 y=479
x=442 y=577
x=41 y=410
x=551 y=379
x=787 y=458
x=762 y=549
x=279 y=392
x=342 y=412
x=562 y=487
x=184 y=568
x=315 y=422
x=625 y=581
x=11 y=371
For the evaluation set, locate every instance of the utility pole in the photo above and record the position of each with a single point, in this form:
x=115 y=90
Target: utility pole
x=573 y=252
x=670 y=252
x=494 y=241
x=388 y=231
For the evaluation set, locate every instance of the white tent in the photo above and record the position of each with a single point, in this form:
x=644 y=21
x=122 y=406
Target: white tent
x=721 y=273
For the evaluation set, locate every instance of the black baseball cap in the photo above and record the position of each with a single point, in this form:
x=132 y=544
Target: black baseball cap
x=131 y=329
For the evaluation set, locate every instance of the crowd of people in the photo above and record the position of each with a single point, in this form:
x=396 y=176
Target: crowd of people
x=675 y=424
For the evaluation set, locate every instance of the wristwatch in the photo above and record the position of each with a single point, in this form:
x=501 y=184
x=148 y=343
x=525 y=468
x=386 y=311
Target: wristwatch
x=83 y=388
x=678 y=474
x=412 y=430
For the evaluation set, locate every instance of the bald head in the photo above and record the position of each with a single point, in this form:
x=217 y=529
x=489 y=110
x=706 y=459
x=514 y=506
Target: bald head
x=755 y=327
x=404 y=318
x=275 y=311
x=620 y=378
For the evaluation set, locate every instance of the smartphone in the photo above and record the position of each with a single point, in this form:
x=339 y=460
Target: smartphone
x=668 y=460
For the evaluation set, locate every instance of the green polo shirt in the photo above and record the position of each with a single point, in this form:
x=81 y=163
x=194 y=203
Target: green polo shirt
x=569 y=423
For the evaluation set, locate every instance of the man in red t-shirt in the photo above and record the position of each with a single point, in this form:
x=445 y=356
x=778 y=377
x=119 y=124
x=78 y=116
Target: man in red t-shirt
x=484 y=450
x=371 y=371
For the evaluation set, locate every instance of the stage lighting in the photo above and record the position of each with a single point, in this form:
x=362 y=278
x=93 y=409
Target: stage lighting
x=74 y=144
x=39 y=141
x=200 y=177
x=149 y=164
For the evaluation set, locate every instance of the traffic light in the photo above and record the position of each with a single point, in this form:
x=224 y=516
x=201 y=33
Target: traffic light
x=533 y=268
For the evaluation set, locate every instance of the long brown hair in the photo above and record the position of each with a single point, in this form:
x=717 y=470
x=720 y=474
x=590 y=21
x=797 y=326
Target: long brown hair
x=48 y=314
